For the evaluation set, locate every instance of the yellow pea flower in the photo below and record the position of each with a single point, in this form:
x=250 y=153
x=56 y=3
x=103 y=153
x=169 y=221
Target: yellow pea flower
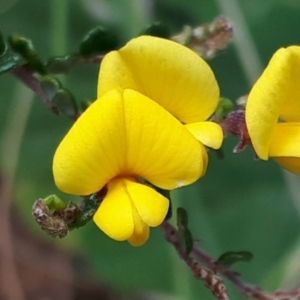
x=120 y=138
x=273 y=110
x=170 y=74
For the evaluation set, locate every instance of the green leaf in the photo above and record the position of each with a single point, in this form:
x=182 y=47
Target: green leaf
x=182 y=217
x=50 y=86
x=157 y=29
x=184 y=234
x=229 y=258
x=98 y=41
x=9 y=61
x=65 y=103
x=25 y=48
x=61 y=64
x=89 y=208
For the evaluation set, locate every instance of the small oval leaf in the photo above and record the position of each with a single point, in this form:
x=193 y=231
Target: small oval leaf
x=98 y=41
x=65 y=103
x=157 y=29
x=229 y=258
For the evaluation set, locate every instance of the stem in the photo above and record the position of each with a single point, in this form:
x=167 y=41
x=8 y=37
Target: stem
x=208 y=277
x=59 y=26
x=214 y=283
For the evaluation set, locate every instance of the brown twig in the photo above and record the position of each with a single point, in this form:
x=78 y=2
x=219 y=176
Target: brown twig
x=211 y=280
x=25 y=74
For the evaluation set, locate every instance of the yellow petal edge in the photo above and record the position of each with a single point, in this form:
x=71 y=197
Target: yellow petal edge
x=125 y=133
x=166 y=72
x=272 y=98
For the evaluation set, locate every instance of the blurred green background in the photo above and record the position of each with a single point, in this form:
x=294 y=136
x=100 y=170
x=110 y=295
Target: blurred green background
x=241 y=204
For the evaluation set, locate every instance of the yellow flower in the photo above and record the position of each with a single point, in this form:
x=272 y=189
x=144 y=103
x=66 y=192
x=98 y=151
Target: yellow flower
x=273 y=110
x=120 y=138
x=171 y=75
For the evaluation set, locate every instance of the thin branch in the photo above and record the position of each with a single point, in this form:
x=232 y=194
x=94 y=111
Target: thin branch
x=211 y=280
x=25 y=74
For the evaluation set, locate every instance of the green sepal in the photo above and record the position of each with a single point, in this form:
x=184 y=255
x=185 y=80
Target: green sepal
x=157 y=29
x=65 y=102
x=184 y=234
x=25 y=48
x=229 y=258
x=87 y=212
x=2 y=44
x=98 y=41
x=224 y=108
x=54 y=203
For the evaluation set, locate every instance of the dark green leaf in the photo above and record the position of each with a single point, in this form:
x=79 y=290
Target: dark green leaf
x=9 y=61
x=98 y=41
x=229 y=258
x=50 y=86
x=188 y=239
x=89 y=208
x=25 y=48
x=157 y=29
x=65 y=103
x=184 y=234
x=61 y=64
x=182 y=217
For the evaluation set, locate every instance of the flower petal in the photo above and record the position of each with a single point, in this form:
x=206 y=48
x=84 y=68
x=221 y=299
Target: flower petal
x=266 y=99
x=292 y=164
x=141 y=230
x=151 y=206
x=93 y=150
x=160 y=150
x=208 y=133
x=115 y=216
x=128 y=135
x=128 y=209
x=166 y=72
x=285 y=140
x=290 y=110
x=139 y=237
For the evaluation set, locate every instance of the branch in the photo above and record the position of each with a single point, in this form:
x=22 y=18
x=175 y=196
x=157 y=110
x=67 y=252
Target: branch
x=25 y=74
x=209 y=277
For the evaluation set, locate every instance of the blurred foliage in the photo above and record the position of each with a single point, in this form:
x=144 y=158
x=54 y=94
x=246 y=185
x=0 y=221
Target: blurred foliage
x=239 y=204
